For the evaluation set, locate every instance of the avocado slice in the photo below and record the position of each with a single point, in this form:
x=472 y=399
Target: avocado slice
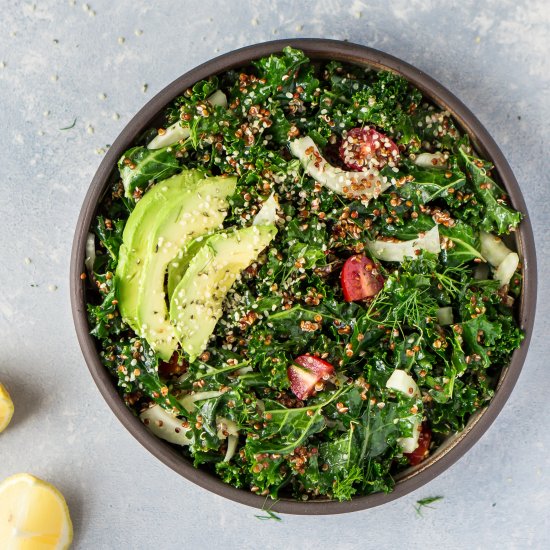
x=266 y=216
x=139 y=226
x=171 y=213
x=179 y=264
x=196 y=304
x=196 y=212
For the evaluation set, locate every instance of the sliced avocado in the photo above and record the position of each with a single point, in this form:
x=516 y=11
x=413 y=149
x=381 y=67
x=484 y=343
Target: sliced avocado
x=159 y=194
x=266 y=216
x=196 y=303
x=195 y=212
x=178 y=265
x=141 y=223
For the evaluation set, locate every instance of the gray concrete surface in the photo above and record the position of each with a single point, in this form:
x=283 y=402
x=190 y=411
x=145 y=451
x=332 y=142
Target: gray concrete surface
x=99 y=63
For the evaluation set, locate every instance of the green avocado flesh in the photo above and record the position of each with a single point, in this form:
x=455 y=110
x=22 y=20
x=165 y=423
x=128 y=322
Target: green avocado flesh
x=179 y=264
x=178 y=210
x=158 y=196
x=139 y=226
x=196 y=303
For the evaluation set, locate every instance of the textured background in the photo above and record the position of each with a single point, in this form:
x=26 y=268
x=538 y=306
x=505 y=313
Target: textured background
x=99 y=63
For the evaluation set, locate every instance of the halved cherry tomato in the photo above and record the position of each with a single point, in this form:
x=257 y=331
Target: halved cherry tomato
x=364 y=148
x=306 y=373
x=316 y=365
x=360 y=278
x=423 y=449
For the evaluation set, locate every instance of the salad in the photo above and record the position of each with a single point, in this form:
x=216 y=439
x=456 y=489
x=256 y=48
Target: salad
x=299 y=280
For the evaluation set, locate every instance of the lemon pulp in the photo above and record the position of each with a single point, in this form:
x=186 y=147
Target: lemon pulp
x=33 y=515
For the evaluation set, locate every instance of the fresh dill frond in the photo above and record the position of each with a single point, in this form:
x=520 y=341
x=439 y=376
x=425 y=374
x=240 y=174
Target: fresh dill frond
x=269 y=513
x=425 y=503
x=71 y=126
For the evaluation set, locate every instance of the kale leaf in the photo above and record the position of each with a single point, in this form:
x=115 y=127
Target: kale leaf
x=139 y=167
x=462 y=245
x=498 y=218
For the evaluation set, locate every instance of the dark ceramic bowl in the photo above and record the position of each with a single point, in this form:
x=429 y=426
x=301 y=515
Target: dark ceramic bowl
x=151 y=116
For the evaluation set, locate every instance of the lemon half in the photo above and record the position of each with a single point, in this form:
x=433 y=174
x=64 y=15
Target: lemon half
x=33 y=515
x=6 y=408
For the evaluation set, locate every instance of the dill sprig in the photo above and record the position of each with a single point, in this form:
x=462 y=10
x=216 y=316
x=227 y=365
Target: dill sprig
x=425 y=503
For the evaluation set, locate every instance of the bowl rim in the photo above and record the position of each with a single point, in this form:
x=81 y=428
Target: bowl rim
x=322 y=49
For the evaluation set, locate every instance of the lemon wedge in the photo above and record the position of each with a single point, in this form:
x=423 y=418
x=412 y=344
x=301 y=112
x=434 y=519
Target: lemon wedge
x=33 y=515
x=6 y=408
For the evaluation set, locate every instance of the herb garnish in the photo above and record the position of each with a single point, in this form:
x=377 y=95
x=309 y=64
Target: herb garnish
x=71 y=126
x=269 y=512
x=425 y=503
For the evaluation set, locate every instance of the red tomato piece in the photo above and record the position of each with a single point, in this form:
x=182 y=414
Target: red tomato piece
x=360 y=278
x=364 y=148
x=174 y=367
x=316 y=365
x=423 y=449
x=302 y=381
x=306 y=373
